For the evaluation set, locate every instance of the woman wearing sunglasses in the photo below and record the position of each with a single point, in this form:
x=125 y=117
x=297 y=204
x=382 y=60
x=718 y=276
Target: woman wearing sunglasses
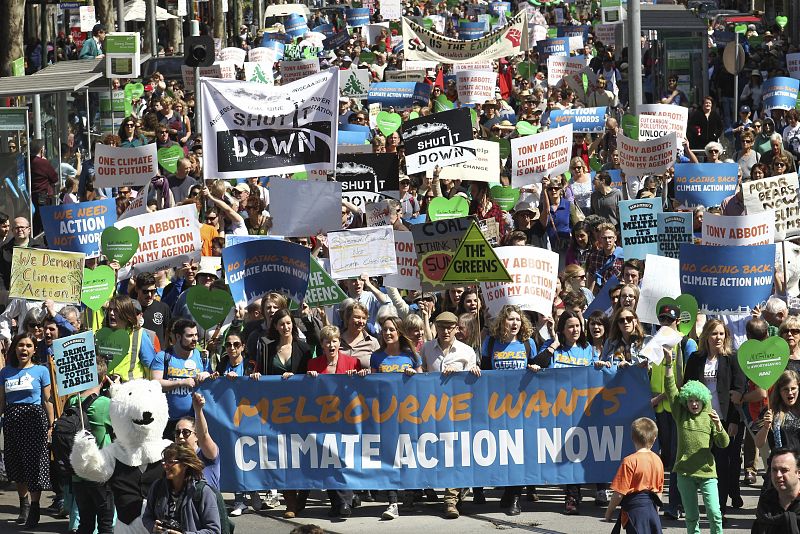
x=129 y=134
x=172 y=504
x=625 y=340
x=790 y=331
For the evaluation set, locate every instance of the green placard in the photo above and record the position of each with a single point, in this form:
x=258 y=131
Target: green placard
x=322 y=289
x=475 y=261
x=764 y=361
x=121 y=43
x=441 y=208
x=18 y=67
x=208 y=307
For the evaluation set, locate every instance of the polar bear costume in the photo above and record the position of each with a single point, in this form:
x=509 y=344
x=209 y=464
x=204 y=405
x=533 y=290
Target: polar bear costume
x=139 y=414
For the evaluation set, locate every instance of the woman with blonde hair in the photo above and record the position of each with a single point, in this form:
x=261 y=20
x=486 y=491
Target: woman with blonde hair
x=790 y=331
x=573 y=278
x=715 y=365
x=626 y=339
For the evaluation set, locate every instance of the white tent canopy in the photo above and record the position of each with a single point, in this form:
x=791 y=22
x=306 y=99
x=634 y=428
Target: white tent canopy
x=136 y=11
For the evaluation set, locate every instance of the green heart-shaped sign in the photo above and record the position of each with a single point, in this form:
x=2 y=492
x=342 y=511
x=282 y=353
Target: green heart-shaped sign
x=388 y=123
x=474 y=116
x=442 y=104
x=740 y=28
x=119 y=244
x=427 y=23
x=413 y=115
x=168 y=157
x=366 y=56
x=688 y=306
x=134 y=90
x=526 y=128
x=208 y=307
x=630 y=126
x=764 y=361
x=113 y=344
x=595 y=164
x=505 y=148
x=781 y=21
x=442 y=208
x=506 y=197
x=98 y=286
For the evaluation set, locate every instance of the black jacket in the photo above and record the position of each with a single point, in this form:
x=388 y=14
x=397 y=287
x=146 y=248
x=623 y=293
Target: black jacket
x=301 y=354
x=729 y=378
x=771 y=518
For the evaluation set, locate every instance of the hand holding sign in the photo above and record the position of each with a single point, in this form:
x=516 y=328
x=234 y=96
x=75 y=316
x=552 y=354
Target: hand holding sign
x=764 y=361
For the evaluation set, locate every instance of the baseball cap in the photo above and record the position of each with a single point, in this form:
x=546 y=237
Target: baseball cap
x=744 y=109
x=446 y=317
x=673 y=313
x=244 y=188
x=526 y=206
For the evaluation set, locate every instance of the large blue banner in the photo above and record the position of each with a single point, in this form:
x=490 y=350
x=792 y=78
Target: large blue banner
x=557 y=46
x=357 y=16
x=588 y=120
x=254 y=268
x=638 y=220
x=77 y=227
x=727 y=279
x=399 y=94
x=780 y=93
x=705 y=184
x=557 y=426
x=336 y=40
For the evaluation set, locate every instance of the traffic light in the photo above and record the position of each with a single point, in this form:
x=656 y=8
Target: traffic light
x=199 y=51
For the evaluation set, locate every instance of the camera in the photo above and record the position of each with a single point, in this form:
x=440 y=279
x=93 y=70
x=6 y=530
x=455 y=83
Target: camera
x=171 y=524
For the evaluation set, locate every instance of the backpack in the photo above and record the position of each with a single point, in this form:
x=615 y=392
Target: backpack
x=226 y=525
x=64 y=430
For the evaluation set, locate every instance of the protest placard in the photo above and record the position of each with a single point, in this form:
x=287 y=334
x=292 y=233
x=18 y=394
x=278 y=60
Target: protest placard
x=638 y=158
x=40 y=274
x=606 y=33
x=639 y=222
x=582 y=82
x=485 y=167
x=77 y=227
x=425 y=45
x=399 y=95
x=138 y=205
x=780 y=93
x=367 y=177
x=123 y=166
x=472 y=65
x=305 y=208
x=295 y=25
x=224 y=70
x=475 y=261
x=435 y=243
x=674 y=228
x=378 y=213
x=254 y=268
x=391 y=9
x=793 y=64
x=75 y=363
x=658 y=120
x=469 y=30
x=407 y=275
x=660 y=280
x=362 y=251
x=778 y=194
x=412 y=76
x=705 y=184
x=322 y=289
x=558 y=46
x=743 y=230
x=167 y=238
x=258 y=73
x=475 y=87
x=587 y=120
x=264 y=55
x=354 y=83
x=538 y=155
x=254 y=129
x=533 y=272
x=234 y=54
x=727 y=280
x=294 y=70
x=439 y=140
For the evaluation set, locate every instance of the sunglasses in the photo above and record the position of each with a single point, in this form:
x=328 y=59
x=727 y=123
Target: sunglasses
x=234 y=344
x=169 y=462
x=148 y=291
x=130 y=125
x=793 y=331
x=581 y=277
x=626 y=320
x=183 y=432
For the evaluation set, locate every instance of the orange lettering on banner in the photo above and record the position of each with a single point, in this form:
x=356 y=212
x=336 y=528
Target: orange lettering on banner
x=245 y=409
x=432 y=411
x=358 y=402
x=610 y=395
x=495 y=411
x=459 y=407
x=299 y=416
x=538 y=403
x=383 y=417
x=281 y=412
x=407 y=408
x=330 y=409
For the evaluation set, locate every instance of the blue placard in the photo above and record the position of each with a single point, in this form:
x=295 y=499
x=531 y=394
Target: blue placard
x=77 y=227
x=347 y=127
x=275 y=45
x=674 y=229
x=705 y=184
x=780 y=93
x=470 y=30
x=638 y=220
x=573 y=31
x=602 y=302
x=296 y=25
x=254 y=268
x=231 y=239
x=357 y=16
x=399 y=94
x=346 y=137
x=616 y=178
x=587 y=120
x=557 y=46
x=337 y=40
x=75 y=363
x=325 y=29
x=727 y=279
x=496 y=8
x=388 y=430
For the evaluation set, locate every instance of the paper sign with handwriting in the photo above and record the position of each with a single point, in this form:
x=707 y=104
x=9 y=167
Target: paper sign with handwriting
x=362 y=251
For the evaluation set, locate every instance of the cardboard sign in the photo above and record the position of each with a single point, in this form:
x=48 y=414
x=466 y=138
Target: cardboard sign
x=475 y=87
x=485 y=167
x=305 y=208
x=258 y=72
x=40 y=274
x=475 y=261
x=440 y=139
x=378 y=213
x=638 y=158
x=75 y=363
x=661 y=279
x=77 y=227
x=687 y=304
x=125 y=167
x=354 y=83
x=744 y=230
x=295 y=70
x=587 y=120
x=544 y=154
x=441 y=208
x=705 y=184
x=435 y=244
x=362 y=251
x=233 y=54
x=639 y=222
x=658 y=120
x=119 y=244
x=254 y=268
x=407 y=275
x=763 y=362
x=367 y=177
x=415 y=76
x=778 y=194
x=138 y=205
x=533 y=274
x=322 y=289
x=674 y=228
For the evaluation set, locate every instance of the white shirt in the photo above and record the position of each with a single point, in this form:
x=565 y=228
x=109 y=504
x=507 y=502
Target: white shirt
x=710 y=379
x=460 y=355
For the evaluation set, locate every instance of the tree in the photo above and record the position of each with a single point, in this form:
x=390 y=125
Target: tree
x=12 y=13
x=219 y=22
x=106 y=13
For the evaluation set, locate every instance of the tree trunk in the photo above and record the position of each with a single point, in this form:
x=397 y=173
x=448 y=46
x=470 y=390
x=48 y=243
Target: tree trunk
x=106 y=13
x=219 y=23
x=12 y=12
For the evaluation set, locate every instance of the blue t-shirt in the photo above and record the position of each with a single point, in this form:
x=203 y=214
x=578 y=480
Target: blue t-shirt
x=576 y=356
x=385 y=363
x=238 y=369
x=211 y=469
x=179 y=399
x=505 y=356
x=24 y=386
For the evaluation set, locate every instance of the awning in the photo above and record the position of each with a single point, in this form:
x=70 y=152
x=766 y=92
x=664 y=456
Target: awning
x=65 y=76
x=674 y=18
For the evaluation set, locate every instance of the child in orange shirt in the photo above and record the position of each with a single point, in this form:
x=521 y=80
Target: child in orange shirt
x=638 y=483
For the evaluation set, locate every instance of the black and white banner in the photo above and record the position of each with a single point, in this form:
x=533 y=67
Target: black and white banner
x=252 y=129
x=368 y=177
x=440 y=139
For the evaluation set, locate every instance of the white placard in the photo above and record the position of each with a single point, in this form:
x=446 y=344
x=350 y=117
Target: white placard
x=295 y=70
x=88 y=18
x=407 y=276
x=778 y=194
x=233 y=54
x=793 y=64
x=473 y=65
x=258 y=72
x=666 y=337
x=362 y=251
x=661 y=279
x=354 y=83
x=657 y=120
x=378 y=213
x=391 y=9
x=484 y=168
x=138 y=205
x=743 y=230
x=475 y=86
x=538 y=155
x=123 y=166
x=302 y=208
x=263 y=54
x=533 y=272
x=638 y=158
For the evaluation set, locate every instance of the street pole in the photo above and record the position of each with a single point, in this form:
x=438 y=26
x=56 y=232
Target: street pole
x=736 y=78
x=151 y=16
x=194 y=27
x=121 y=15
x=634 y=56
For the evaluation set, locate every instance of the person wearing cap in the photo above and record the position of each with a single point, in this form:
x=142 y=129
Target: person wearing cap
x=743 y=123
x=528 y=220
x=408 y=202
x=445 y=354
x=93 y=47
x=156 y=315
x=669 y=316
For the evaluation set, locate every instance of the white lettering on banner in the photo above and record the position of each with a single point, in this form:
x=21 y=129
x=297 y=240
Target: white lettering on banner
x=538 y=155
x=576 y=443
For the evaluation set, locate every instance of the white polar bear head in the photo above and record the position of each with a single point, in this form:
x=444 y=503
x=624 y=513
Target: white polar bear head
x=138 y=411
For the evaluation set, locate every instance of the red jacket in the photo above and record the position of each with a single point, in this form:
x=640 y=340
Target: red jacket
x=343 y=364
